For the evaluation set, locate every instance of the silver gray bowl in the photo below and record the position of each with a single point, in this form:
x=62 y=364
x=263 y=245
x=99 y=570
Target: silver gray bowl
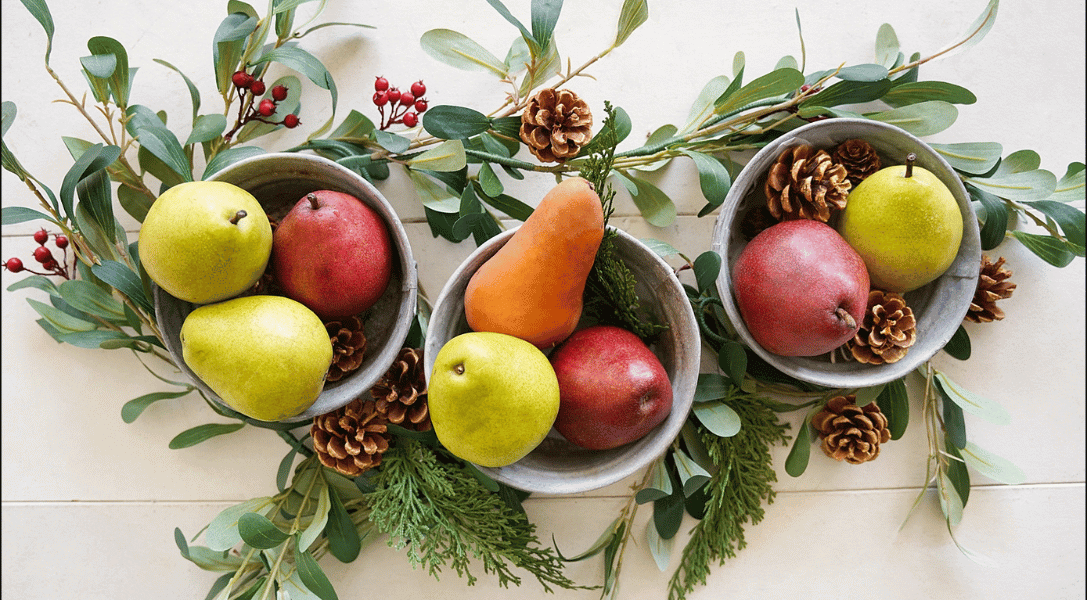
x=556 y=466
x=278 y=181
x=939 y=307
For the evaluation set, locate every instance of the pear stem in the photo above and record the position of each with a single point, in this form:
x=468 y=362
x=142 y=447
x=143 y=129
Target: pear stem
x=238 y=216
x=844 y=315
x=909 y=163
x=313 y=201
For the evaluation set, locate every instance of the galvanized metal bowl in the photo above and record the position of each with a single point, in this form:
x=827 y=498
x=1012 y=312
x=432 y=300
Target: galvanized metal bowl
x=278 y=181
x=939 y=306
x=556 y=466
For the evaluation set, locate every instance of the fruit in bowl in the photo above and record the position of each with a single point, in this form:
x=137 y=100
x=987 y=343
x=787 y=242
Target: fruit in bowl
x=492 y=397
x=905 y=224
x=332 y=253
x=264 y=356
x=205 y=241
x=613 y=390
x=801 y=289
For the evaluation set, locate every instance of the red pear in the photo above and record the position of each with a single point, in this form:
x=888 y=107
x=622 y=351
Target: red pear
x=612 y=388
x=333 y=254
x=801 y=288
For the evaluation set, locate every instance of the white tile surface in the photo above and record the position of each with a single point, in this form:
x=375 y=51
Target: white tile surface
x=90 y=503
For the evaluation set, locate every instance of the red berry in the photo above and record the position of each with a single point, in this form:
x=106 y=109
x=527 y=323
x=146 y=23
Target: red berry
x=290 y=121
x=381 y=98
x=381 y=84
x=418 y=89
x=410 y=119
x=257 y=87
x=393 y=95
x=420 y=106
x=266 y=107
x=14 y=265
x=279 y=93
x=50 y=265
x=41 y=236
x=407 y=99
x=62 y=242
x=242 y=79
x=43 y=254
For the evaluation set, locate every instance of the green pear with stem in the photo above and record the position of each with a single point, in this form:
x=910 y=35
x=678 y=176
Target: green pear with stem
x=205 y=241
x=264 y=356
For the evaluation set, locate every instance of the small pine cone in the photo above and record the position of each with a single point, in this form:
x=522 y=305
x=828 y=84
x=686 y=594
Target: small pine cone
x=849 y=432
x=888 y=330
x=556 y=124
x=805 y=183
x=859 y=159
x=401 y=395
x=348 y=346
x=351 y=439
x=993 y=285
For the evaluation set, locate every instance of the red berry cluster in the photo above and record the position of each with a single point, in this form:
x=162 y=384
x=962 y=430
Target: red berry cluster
x=44 y=256
x=404 y=107
x=249 y=89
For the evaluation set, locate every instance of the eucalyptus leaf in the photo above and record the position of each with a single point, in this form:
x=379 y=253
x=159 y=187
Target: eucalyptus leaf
x=849 y=92
x=39 y=282
x=957 y=472
x=975 y=158
x=912 y=92
x=959 y=344
x=91 y=299
x=1071 y=186
x=125 y=281
x=717 y=417
x=654 y=205
x=732 y=358
x=39 y=9
x=101 y=338
x=95 y=158
x=204 y=557
x=222 y=533
x=867 y=395
x=713 y=177
x=894 y=402
x=100 y=66
x=343 y=538
x=454 y=122
x=973 y=403
x=135 y=407
x=21 y=214
x=711 y=386
x=505 y=12
x=1019 y=161
x=976 y=31
x=200 y=433
x=228 y=157
x=887 y=46
x=1037 y=184
x=775 y=83
x=545 y=14
x=163 y=144
x=950 y=502
x=866 y=72
x=921 y=119
x=703 y=106
x=992 y=466
x=954 y=420
x=1070 y=219
x=668 y=514
x=257 y=531
x=96 y=196
x=996 y=216
x=517 y=57
x=59 y=319
x=433 y=196
x=459 y=51
x=632 y=15
x=661 y=249
x=391 y=142
x=312 y=576
x=513 y=207
x=659 y=485
x=660 y=548
x=194 y=92
x=797 y=461
x=706 y=269
x=446 y=156
x=488 y=181
x=320 y=518
x=1053 y=251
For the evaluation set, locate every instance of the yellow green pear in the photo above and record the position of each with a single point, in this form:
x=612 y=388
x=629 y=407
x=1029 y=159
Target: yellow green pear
x=265 y=356
x=492 y=397
x=205 y=241
x=905 y=224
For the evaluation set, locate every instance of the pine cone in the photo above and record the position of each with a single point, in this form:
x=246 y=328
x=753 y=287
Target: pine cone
x=351 y=439
x=556 y=124
x=401 y=392
x=755 y=220
x=348 y=346
x=993 y=285
x=888 y=330
x=805 y=183
x=850 y=432
x=859 y=159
